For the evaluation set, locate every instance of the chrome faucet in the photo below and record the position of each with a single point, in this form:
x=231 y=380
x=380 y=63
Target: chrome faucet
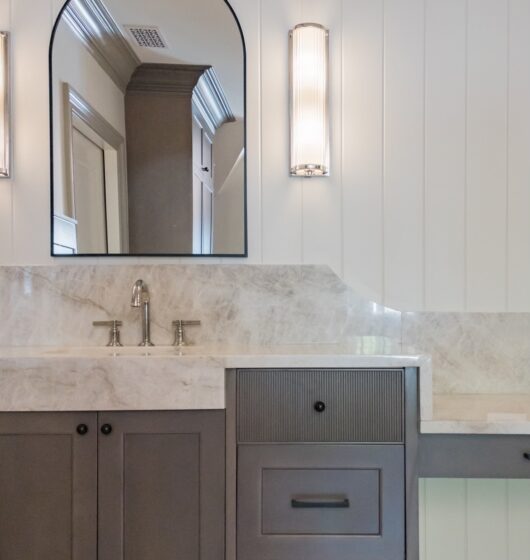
x=140 y=299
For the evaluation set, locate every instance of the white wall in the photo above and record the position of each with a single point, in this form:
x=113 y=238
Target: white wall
x=428 y=206
x=474 y=519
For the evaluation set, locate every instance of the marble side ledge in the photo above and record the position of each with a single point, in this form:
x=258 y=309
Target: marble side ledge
x=479 y=414
x=67 y=379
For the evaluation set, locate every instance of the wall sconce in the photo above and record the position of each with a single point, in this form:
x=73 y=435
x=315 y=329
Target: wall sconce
x=309 y=100
x=5 y=147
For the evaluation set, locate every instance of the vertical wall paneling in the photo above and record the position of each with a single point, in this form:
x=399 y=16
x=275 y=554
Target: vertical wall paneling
x=445 y=154
x=518 y=157
x=487 y=517
x=403 y=153
x=428 y=204
x=486 y=154
x=422 y=514
x=281 y=194
x=518 y=519
x=56 y=8
x=362 y=153
x=474 y=519
x=31 y=34
x=321 y=197
x=445 y=520
x=5 y=11
x=6 y=208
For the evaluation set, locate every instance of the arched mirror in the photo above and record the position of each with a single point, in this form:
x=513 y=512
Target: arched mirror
x=148 y=129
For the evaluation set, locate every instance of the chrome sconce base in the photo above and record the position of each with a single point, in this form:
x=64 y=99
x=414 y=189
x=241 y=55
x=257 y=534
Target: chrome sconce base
x=310 y=170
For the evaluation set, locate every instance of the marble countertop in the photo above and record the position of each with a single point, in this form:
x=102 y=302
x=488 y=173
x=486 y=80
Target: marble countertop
x=165 y=378
x=479 y=414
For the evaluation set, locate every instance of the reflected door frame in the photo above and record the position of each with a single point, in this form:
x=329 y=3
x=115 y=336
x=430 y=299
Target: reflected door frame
x=80 y=114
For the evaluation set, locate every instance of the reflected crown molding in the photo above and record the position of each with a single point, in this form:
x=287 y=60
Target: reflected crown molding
x=95 y=27
x=187 y=80
x=175 y=79
x=210 y=101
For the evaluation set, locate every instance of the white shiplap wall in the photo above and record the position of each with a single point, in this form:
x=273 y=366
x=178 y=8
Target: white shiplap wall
x=474 y=519
x=428 y=205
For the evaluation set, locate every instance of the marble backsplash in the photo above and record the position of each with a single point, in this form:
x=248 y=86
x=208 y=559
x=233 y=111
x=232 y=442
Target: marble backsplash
x=241 y=305
x=473 y=352
x=246 y=305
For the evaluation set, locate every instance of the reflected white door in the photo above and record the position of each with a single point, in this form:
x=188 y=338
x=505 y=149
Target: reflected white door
x=197 y=187
x=89 y=193
x=207 y=193
x=202 y=190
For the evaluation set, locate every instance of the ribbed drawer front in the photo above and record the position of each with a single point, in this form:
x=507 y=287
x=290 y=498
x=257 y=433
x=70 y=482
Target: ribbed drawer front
x=363 y=406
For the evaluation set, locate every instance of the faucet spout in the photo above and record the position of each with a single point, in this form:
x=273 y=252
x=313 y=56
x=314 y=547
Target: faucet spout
x=141 y=299
x=140 y=293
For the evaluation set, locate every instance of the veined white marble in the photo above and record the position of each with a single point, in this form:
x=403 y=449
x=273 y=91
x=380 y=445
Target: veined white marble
x=81 y=383
x=40 y=379
x=475 y=428
x=237 y=304
x=479 y=414
x=252 y=316
x=473 y=353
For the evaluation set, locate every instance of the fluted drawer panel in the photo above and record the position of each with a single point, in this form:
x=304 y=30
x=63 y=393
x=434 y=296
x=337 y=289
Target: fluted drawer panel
x=364 y=406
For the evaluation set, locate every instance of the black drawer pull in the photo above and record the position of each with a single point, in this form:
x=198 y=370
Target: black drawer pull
x=316 y=503
x=527 y=456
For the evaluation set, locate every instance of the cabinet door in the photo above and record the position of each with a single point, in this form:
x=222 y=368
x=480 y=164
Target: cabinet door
x=48 y=486
x=161 y=484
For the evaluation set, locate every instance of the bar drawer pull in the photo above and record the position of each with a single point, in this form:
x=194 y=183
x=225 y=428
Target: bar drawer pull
x=314 y=503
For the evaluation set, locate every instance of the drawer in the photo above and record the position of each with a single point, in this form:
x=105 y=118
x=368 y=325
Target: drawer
x=474 y=456
x=358 y=406
x=320 y=501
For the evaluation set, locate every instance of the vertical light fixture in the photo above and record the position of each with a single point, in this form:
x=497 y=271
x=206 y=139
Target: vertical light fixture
x=5 y=147
x=309 y=100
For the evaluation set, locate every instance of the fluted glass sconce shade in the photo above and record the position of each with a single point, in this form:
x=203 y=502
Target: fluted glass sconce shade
x=4 y=106
x=309 y=53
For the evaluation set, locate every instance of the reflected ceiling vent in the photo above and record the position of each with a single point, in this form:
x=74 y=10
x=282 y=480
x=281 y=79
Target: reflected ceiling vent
x=147 y=36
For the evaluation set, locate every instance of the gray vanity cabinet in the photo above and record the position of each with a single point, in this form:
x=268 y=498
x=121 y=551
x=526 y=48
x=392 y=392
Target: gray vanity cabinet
x=321 y=463
x=111 y=486
x=48 y=486
x=161 y=485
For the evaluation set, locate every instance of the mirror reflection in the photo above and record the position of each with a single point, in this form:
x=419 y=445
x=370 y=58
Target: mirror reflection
x=148 y=129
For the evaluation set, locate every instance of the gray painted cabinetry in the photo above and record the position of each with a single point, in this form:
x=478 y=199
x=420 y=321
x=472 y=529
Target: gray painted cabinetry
x=48 y=486
x=321 y=464
x=138 y=485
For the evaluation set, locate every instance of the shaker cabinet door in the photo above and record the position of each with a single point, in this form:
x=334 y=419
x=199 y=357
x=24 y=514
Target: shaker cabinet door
x=161 y=485
x=48 y=486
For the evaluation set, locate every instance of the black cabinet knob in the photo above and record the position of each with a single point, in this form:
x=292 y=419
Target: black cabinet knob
x=527 y=456
x=82 y=429
x=106 y=429
x=319 y=406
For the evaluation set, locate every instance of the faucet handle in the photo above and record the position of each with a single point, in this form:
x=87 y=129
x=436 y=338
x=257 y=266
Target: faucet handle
x=114 y=334
x=179 y=330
